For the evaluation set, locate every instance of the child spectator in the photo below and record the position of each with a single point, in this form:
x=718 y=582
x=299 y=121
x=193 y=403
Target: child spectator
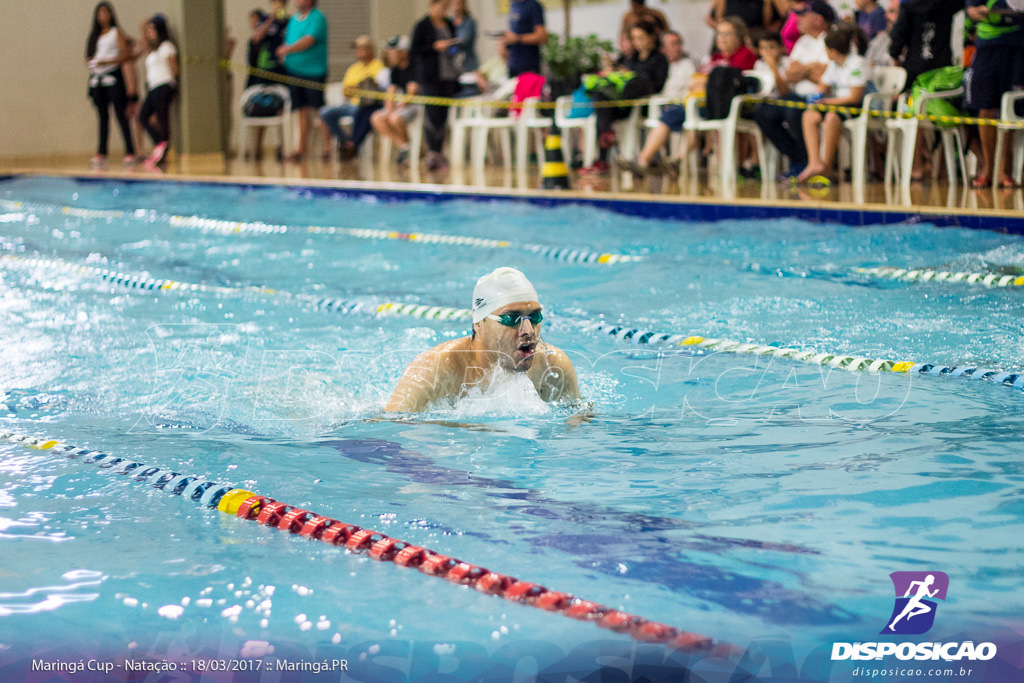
x=842 y=84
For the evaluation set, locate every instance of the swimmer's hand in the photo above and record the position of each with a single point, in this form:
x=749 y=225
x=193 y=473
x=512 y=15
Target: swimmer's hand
x=584 y=413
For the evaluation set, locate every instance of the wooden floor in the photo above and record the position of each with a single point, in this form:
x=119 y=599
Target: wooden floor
x=932 y=196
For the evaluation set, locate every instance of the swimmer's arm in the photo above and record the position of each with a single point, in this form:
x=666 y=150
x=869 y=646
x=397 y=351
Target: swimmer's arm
x=418 y=386
x=559 y=382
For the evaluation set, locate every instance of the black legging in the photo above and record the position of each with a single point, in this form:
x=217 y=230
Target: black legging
x=437 y=115
x=158 y=101
x=105 y=96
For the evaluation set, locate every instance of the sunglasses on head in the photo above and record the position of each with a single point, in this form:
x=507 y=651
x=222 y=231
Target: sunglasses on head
x=515 y=318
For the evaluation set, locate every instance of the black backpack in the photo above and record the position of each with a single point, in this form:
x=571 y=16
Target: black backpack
x=723 y=84
x=264 y=104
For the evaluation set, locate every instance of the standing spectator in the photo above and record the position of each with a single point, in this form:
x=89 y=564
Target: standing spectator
x=790 y=25
x=998 y=67
x=524 y=37
x=870 y=18
x=305 y=56
x=433 y=50
x=921 y=42
x=640 y=13
x=756 y=14
x=361 y=75
x=161 y=84
x=842 y=84
x=107 y=49
x=877 y=53
x=392 y=121
x=783 y=126
x=465 y=31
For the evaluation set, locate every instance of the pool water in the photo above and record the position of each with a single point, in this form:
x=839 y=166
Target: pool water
x=751 y=498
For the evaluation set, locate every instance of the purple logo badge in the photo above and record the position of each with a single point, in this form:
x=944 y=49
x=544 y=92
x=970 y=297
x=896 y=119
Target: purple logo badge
x=916 y=592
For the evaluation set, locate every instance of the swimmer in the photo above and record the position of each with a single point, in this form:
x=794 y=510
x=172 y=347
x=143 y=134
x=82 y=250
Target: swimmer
x=506 y=338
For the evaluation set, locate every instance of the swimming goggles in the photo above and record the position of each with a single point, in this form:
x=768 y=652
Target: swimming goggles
x=515 y=318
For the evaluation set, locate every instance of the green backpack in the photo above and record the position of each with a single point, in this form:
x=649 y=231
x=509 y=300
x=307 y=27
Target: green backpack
x=937 y=80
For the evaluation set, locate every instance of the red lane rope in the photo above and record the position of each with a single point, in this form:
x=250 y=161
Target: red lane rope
x=383 y=548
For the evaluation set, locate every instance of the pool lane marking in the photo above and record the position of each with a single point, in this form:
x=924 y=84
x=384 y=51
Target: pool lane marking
x=633 y=335
x=564 y=254
x=245 y=504
x=930 y=275
x=1013 y=379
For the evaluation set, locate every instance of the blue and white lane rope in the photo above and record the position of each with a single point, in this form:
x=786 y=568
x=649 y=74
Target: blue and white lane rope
x=624 y=333
x=641 y=336
x=141 y=282
x=931 y=275
x=228 y=227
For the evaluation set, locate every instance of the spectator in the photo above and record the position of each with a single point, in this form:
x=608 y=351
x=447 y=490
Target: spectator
x=161 y=84
x=432 y=53
x=877 y=53
x=361 y=75
x=807 y=62
x=305 y=57
x=640 y=13
x=756 y=14
x=870 y=18
x=921 y=41
x=998 y=67
x=524 y=37
x=465 y=31
x=267 y=34
x=843 y=85
x=729 y=39
x=107 y=49
x=680 y=67
x=790 y=28
x=649 y=70
x=393 y=119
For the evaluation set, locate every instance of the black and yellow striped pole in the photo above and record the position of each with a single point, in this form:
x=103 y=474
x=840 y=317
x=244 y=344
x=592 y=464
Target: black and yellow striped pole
x=554 y=173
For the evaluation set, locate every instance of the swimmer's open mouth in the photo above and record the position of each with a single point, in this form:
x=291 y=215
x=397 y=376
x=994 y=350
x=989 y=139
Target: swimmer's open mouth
x=528 y=348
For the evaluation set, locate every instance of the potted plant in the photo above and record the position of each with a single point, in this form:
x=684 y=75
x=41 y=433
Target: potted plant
x=565 y=61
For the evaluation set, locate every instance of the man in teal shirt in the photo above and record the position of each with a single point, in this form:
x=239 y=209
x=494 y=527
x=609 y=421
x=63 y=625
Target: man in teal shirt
x=305 y=57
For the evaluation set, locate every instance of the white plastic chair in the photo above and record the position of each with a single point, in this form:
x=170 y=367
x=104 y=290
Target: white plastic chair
x=889 y=82
x=1010 y=123
x=282 y=120
x=477 y=120
x=530 y=123
x=587 y=126
x=727 y=129
x=628 y=134
x=899 y=163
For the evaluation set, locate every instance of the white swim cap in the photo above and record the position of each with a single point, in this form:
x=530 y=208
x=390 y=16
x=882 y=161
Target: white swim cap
x=500 y=288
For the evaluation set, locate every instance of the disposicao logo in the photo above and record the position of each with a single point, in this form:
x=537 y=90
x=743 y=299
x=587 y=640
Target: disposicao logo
x=913 y=614
x=916 y=592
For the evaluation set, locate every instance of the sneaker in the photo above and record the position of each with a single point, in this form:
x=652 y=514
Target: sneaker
x=158 y=154
x=98 y=162
x=128 y=161
x=347 y=150
x=403 y=156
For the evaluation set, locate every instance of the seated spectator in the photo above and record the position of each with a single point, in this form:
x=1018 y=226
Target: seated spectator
x=731 y=51
x=648 y=69
x=790 y=28
x=361 y=75
x=393 y=119
x=680 y=67
x=807 y=62
x=842 y=85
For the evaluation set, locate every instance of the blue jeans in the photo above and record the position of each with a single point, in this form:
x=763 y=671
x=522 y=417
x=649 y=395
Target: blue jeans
x=332 y=117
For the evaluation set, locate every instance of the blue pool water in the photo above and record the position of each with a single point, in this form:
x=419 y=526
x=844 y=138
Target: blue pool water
x=754 y=499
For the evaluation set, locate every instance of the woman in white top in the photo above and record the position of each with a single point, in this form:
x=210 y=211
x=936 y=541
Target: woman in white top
x=105 y=52
x=161 y=84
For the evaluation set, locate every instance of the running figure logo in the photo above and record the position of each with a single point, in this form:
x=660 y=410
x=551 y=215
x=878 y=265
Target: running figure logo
x=913 y=612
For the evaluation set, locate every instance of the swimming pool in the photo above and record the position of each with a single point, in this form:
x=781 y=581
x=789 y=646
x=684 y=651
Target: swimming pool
x=758 y=497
